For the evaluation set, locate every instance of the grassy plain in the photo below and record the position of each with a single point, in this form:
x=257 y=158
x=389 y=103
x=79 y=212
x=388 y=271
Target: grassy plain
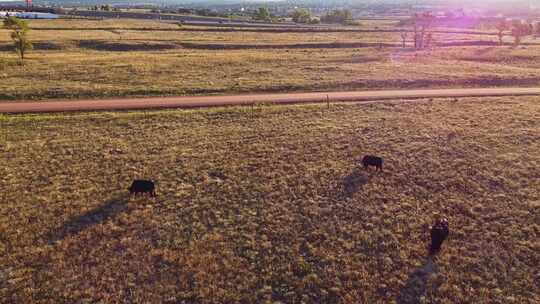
x=267 y=204
x=83 y=58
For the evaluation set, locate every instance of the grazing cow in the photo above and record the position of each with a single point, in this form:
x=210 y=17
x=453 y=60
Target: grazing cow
x=370 y=160
x=143 y=186
x=439 y=233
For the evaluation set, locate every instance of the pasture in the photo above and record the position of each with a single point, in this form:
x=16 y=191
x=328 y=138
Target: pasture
x=122 y=57
x=268 y=204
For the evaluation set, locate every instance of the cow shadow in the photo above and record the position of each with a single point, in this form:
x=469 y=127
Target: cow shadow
x=109 y=210
x=417 y=283
x=355 y=181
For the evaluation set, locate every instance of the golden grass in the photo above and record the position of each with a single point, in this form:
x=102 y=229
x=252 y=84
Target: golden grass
x=268 y=204
x=127 y=61
x=85 y=73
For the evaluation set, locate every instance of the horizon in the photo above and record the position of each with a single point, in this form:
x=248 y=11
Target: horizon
x=450 y=2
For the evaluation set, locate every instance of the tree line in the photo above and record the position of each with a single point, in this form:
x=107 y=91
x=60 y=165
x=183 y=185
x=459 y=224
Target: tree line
x=302 y=15
x=422 y=25
x=518 y=29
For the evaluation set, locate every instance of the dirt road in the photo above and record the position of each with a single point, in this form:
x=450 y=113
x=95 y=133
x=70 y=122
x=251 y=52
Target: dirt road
x=234 y=100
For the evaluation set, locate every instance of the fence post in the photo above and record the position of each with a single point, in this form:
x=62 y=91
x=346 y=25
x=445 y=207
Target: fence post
x=327 y=101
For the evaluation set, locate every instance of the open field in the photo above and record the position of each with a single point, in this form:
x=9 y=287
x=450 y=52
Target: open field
x=140 y=58
x=267 y=204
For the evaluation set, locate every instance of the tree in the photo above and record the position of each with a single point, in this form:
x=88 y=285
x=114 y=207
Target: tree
x=520 y=29
x=263 y=14
x=422 y=23
x=501 y=27
x=404 y=38
x=429 y=40
x=19 y=35
x=338 y=16
x=301 y=16
x=537 y=30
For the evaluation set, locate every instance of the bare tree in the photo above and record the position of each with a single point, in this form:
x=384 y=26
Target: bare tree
x=422 y=25
x=501 y=27
x=404 y=35
x=415 y=28
x=520 y=29
x=429 y=40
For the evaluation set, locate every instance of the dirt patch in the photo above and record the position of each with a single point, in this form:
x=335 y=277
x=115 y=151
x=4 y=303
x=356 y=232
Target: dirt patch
x=125 y=46
x=358 y=59
x=39 y=46
x=509 y=60
x=468 y=43
x=333 y=45
x=477 y=43
x=493 y=81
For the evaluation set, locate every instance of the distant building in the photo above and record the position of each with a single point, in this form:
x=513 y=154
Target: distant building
x=28 y=15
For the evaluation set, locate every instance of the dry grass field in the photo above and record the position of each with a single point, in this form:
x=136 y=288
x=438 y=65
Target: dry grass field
x=83 y=58
x=267 y=204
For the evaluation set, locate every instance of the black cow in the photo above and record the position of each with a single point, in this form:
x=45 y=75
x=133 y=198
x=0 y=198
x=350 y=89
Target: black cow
x=439 y=233
x=370 y=160
x=142 y=186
